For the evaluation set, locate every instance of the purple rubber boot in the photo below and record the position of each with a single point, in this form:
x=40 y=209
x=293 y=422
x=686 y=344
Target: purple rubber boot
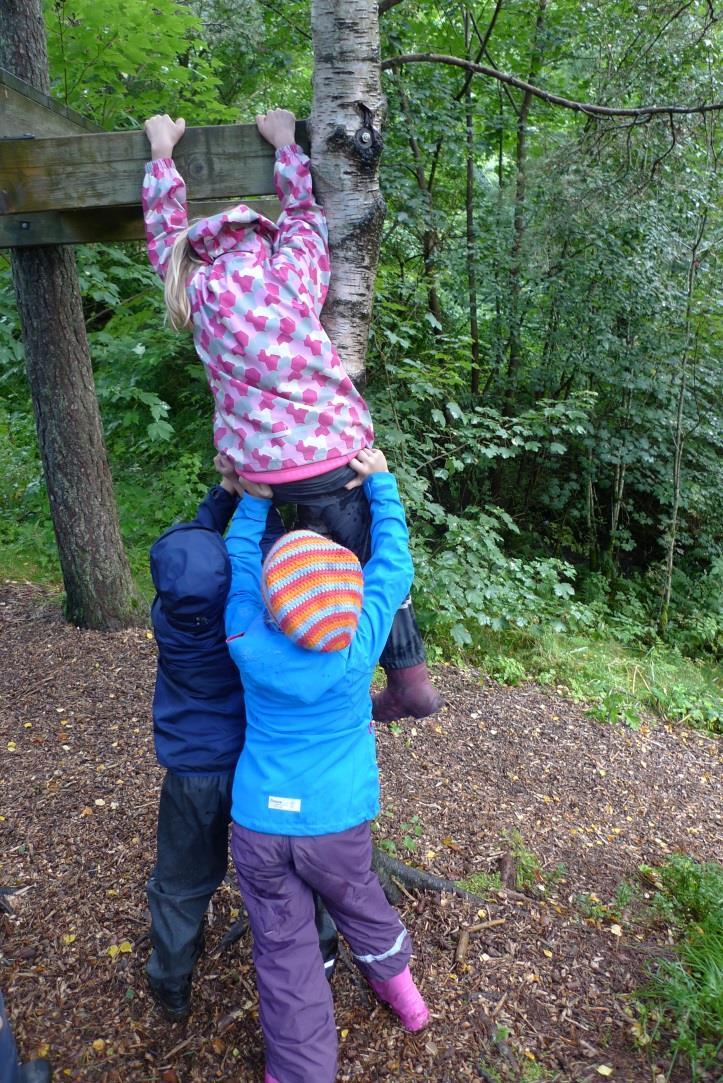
x=409 y=692
x=268 y=1078
x=405 y=1000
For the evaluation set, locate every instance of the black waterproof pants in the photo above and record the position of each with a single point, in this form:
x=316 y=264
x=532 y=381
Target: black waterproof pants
x=324 y=505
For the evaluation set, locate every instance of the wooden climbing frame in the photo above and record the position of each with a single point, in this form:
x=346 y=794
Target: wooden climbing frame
x=64 y=181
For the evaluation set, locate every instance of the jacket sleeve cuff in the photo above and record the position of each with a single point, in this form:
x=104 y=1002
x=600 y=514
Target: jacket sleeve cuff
x=256 y=507
x=290 y=151
x=159 y=166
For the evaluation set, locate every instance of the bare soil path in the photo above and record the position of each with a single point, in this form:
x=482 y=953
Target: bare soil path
x=539 y=993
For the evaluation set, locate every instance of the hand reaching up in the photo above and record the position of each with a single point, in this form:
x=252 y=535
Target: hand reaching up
x=163 y=134
x=370 y=460
x=278 y=127
x=232 y=483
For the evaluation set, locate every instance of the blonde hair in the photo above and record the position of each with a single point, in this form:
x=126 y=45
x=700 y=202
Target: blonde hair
x=181 y=265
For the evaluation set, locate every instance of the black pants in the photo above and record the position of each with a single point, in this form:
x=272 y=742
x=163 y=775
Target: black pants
x=194 y=814
x=9 y=1063
x=324 y=505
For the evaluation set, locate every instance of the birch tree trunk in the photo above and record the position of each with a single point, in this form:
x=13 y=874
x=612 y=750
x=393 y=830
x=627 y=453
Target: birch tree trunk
x=346 y=144
x=519 y=222
x=679 y=433
x=98 y=584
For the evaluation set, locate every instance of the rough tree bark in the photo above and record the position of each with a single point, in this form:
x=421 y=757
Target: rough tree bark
x=346 y=143
x=98 y=584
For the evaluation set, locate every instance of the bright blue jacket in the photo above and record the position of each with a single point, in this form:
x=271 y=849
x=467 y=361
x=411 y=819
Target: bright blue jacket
x=309 y=763
x=198 y=704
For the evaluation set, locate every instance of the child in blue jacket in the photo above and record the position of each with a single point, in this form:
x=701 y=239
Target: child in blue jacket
x=306 y=630
x=199 y=724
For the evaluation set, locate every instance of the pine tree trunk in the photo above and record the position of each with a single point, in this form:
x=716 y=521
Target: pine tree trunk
x=346 y=144
x=98 y=584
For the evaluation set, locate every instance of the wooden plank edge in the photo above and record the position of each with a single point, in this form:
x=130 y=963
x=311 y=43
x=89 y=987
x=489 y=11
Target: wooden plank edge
x=18 y=86
x=96 y=226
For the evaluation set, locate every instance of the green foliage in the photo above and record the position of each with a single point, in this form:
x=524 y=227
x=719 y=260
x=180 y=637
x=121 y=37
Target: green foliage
x=528 y=873
x=620 y=682
x=682 y=1005
x=481 y=883
x=119 y=63
x=541 y=501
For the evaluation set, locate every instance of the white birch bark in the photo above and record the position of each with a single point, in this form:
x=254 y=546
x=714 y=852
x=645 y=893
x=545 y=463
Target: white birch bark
x=346 y=143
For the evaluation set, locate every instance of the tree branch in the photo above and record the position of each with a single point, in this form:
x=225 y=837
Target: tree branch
x=387 y=5
x=589 y=108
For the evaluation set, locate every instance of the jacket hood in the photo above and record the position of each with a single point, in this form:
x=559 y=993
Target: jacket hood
x=191 y=573
x=240 y=230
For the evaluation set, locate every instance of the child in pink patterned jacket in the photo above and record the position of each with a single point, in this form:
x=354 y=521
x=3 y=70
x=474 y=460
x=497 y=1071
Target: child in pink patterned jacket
x=286 y=413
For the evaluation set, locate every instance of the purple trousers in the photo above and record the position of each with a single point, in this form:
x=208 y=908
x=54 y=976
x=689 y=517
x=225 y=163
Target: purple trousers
x=277 y=874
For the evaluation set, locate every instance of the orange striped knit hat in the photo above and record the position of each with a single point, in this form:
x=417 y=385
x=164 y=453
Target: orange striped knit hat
x=313 y=589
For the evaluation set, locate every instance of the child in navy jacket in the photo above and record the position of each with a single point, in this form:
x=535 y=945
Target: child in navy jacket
x=306 y=632
x=199 y=724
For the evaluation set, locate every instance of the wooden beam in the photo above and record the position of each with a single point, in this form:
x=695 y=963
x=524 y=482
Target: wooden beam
x=95 y=225
x=25 y=111
x=224 y=161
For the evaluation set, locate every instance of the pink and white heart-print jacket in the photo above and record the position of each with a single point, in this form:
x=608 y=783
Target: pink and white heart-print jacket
x=285 y=407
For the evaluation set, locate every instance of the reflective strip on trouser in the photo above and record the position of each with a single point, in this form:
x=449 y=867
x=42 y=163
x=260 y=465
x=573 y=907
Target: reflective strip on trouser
x=277 y=874
x=192 y=856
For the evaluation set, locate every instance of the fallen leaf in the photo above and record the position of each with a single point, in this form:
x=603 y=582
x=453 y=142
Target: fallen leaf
x=605 y=1069
x=68 y=938
x=616 y=930
x=99 y=1045
x=125 y=946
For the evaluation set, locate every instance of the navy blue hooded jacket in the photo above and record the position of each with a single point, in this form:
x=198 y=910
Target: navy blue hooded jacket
x=199 y=720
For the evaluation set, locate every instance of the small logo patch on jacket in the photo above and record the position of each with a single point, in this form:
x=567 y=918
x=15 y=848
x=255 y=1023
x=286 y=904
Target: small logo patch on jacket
x=286 y=804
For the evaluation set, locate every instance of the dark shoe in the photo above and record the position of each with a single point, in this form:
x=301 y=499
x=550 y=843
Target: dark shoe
x=174 y=1001
x=36 y=1071
x=409 y=692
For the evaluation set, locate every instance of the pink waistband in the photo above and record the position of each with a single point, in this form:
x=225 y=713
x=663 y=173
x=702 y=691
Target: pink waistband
x=298 y=473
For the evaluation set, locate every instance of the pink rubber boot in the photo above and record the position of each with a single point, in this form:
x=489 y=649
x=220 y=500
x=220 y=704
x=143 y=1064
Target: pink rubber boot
x=409 y=692
x=405 y=1000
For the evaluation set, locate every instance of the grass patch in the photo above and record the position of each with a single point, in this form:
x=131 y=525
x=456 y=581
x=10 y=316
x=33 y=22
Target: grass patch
x=481 y=883
x=622 y=684
x=681 y=1007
